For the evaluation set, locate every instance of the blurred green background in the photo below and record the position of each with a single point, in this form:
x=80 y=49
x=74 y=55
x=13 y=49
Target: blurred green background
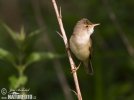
x=48 y=75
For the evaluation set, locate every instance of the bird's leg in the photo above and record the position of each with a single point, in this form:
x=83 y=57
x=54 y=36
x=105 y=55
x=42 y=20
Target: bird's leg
x=76 y=68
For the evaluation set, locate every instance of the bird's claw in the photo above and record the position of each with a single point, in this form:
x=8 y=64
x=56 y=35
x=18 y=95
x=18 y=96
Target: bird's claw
x=75 y=68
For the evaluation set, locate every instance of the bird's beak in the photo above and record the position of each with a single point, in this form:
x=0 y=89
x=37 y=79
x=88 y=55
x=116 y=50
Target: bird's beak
x=96 y=24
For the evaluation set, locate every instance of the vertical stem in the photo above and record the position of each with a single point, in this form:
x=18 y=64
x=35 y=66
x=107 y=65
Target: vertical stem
x=59 y=18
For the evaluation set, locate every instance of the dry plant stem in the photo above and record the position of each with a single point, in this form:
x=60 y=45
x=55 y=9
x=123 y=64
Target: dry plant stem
x=59 y=18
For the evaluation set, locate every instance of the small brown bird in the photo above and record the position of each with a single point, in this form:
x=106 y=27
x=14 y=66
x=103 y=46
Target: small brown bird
x=81 y=43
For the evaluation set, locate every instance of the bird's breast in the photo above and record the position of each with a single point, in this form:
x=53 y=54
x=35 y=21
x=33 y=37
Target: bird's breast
x=80 y=46
x=82 y=39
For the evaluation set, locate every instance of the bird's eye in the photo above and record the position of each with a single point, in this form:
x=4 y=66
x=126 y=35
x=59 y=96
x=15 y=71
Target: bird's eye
x=86 y=26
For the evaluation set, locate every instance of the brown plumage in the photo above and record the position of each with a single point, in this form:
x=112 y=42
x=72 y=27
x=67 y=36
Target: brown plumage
x=81 y=43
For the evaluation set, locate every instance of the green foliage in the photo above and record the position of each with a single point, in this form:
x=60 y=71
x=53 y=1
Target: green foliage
x=7 y=56
x=16 y=82
x=23 y=60
x=38 y=56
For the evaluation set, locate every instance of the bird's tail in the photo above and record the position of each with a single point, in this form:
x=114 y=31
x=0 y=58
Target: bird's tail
x=88 y=67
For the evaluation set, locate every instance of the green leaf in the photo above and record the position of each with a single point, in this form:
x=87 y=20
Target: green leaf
x=6 y=56
x=22 y=36
x=17 y=82
x=37 y=56
x=35 y=33
x=11 y=32
x=17 y=37
x=31 y=39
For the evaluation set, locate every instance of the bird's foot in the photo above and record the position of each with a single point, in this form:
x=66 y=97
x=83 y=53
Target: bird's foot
x=75 y=69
